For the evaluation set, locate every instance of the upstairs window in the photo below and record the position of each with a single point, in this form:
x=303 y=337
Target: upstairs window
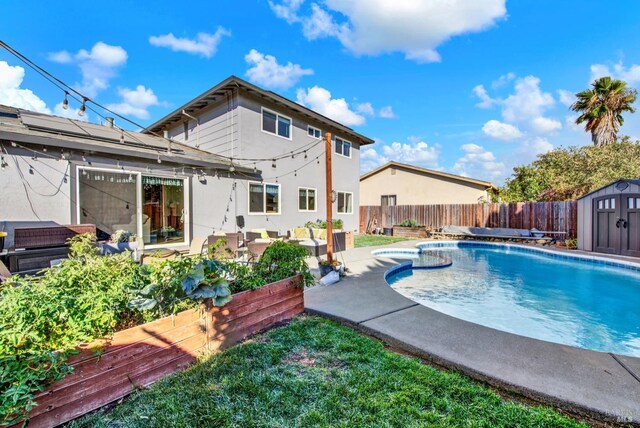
x=314 y=132
x=343 y=147
x=388 y=200
x=275 y=123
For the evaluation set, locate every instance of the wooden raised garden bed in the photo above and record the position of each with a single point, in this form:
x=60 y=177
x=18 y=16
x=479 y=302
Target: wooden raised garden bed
x=108 y=370
x=418 y=232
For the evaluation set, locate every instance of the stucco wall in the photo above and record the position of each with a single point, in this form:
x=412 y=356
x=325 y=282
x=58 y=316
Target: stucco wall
x=414 y=188
x=239 y=133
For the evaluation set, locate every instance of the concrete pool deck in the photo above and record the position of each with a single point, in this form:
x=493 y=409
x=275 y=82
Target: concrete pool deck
x=595 y=384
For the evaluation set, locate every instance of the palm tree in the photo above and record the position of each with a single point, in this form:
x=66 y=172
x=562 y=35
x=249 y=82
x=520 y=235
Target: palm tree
x=602 y=106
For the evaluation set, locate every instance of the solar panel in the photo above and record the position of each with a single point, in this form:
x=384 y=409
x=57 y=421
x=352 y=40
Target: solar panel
x=61 y=125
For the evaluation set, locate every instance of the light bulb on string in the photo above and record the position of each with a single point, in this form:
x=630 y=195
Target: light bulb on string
x=3 y=164
x=121 y=137
x=44 y=149
x=305 y=154
x=255 y=169
x=30 y=170
x=273 y=163
x=83 y=107
x=295 y=173
x=159 y=160
x=65 y=101
x=64 y=179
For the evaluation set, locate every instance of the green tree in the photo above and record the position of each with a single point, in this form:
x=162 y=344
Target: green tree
x=601 y=108
x=568 y=173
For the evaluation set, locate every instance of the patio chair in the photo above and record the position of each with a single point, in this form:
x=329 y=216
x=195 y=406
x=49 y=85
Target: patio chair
x=257 y=247
x=198 y=246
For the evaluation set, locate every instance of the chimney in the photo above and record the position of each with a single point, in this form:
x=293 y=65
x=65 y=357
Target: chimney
x=165 y=133
x=110 y=122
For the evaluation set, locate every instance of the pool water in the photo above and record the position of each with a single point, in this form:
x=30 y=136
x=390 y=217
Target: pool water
x=576 y=303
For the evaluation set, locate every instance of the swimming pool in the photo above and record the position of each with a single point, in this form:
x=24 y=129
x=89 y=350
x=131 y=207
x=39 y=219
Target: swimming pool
x=573 y=300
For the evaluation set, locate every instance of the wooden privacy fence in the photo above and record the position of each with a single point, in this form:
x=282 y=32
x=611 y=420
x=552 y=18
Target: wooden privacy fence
x=550 y=216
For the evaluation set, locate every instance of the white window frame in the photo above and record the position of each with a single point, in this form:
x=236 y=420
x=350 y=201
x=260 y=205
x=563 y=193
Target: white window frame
x=309 y=128
x=335 y=147
x=338 y=197
x=138 y=177
x=262 y=110
x=316 y=204
x=264 y=200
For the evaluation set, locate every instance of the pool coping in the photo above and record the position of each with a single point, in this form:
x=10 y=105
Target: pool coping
x=590 y=383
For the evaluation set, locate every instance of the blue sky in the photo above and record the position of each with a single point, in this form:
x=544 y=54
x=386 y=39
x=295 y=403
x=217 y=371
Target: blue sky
x=469 y=87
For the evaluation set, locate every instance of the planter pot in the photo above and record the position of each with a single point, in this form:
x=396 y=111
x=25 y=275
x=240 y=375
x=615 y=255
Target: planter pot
x=111 y=248
x=324 y=269
x=139 y=356
x=387 y=231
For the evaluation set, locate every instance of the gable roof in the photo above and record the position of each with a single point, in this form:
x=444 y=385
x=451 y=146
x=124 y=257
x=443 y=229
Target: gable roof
x=417 y=169
x=635 y=181
x=28 y=127
x=233 y=82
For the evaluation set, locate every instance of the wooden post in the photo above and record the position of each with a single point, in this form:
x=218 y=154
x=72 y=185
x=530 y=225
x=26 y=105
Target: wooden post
x=329 y=191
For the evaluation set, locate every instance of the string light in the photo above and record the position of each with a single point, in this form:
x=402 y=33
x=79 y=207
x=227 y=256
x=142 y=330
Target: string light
x=83 y=107
x=159 y=160
x=295 y=173
x=121 y=136
x=273 y=164
x=255 y=169
x=64 y=180
x=65 y=101
x=44 y=149
x=3 y=163
x=305 y=154
x=30 y=170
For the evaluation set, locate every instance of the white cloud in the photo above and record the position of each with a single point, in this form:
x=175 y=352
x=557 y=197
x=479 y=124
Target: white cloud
x=371 y=27
x=267 y=72
x=501 y=131
x=566 y=97
x=485 y=100
x=205 y=44
x=544 y=125
x=319 y=100
x=570 y=123
x=528 y=102
x=479 y=163
x=288 y=10
x=135 y=102
x=417 y=153
x=503 y=80
x=61 y=57
x=97 y=65
x=387 y=113
x=629 y=74
x=530 y=149
x=366 y=109
x=11 y=93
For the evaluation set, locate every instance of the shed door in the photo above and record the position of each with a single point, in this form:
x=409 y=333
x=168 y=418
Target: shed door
x=606 y=236
x=630 y=225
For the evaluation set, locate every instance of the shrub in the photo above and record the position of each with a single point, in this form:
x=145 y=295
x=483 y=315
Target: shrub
x=43 y=319
x=337 y=223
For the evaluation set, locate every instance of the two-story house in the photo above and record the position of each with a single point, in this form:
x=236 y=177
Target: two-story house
x=261 y=130
x=236 y=150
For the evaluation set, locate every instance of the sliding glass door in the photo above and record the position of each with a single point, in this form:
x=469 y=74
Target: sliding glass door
x=153 y=208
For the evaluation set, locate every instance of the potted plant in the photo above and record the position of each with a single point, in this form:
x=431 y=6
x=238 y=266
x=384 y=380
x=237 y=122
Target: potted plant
x=120 y=241
x=326 y=267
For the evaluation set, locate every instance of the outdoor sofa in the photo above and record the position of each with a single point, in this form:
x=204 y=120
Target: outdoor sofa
x=315 y=240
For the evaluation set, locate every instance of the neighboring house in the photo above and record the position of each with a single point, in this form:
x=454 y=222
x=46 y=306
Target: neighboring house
x=400 y=184
x=244 y=122
x=195 y=182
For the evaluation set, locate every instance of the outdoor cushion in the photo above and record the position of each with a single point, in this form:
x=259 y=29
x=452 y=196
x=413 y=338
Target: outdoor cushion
x=301 y=233
x=319 y=233
x=263 y=233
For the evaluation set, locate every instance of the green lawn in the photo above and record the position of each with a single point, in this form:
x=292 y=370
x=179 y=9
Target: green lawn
x=316 y=373
x=363 y=240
